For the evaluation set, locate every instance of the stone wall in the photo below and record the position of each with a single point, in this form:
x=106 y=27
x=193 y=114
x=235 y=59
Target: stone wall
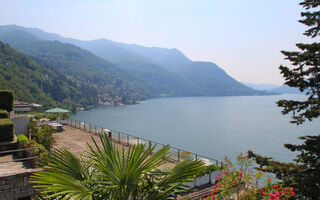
x=16 y=186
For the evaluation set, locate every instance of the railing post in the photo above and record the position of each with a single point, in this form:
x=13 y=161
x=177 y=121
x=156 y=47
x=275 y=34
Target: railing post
x=110 y=135
x=89 y=128
x=119 y=137
x=137 y=140
x=178 y=155
x=128 y=140
x=196 y=156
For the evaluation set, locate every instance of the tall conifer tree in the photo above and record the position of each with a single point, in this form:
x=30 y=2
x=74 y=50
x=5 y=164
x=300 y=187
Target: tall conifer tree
x=304 y=173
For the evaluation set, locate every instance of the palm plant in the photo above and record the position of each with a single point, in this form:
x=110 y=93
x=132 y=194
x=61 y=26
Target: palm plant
x=105 y=172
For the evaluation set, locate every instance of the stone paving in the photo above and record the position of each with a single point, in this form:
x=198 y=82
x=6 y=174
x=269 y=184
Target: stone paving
x=76 y=141
x=8 y=166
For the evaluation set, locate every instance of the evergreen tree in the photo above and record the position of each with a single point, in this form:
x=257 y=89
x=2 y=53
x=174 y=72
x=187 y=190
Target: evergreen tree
x=305 y=74
x=304 y=173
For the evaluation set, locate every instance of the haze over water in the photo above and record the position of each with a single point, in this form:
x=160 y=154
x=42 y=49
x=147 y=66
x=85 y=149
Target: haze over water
x=211 y=126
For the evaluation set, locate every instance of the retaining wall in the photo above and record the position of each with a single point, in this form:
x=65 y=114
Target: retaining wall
x=16 y=186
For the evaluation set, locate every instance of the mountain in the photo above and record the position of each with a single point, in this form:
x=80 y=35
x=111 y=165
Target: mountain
x=36 y=83
x=148 y=79
x=80 y=66
x=262 y=86
x=143 y=71
x=285 y=89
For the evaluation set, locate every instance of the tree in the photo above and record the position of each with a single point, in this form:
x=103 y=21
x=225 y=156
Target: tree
x=306 y=72
x=108 y=173
x=304 y=173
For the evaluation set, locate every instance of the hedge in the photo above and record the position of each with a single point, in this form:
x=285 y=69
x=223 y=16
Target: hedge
x=6 y=100
x=4 y=114
x=6 y=130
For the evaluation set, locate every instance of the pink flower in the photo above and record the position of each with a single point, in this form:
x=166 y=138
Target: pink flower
x=213 y=196
x=277 y=193
x=291 y=189
x=292 y=194
x=240 y=172
x=243 y=157
x=226 y=172
x=215 y=191
x=264 y=194
x=275 y=186
x=218 y=178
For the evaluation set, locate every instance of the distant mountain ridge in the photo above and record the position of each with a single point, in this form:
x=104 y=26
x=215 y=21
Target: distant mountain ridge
x=261 y=86
x=281 y=89
x=139 y=72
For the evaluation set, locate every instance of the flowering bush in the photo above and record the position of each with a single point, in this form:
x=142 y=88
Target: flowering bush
x=243 y=184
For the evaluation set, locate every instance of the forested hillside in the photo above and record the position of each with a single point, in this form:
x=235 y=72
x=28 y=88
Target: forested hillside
x=35 y=83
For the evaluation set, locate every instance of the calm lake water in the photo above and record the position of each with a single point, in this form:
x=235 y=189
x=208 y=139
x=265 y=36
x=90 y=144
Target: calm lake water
x=211 y=126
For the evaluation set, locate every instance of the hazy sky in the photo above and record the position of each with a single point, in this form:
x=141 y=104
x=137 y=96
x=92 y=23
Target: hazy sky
x=244 y=37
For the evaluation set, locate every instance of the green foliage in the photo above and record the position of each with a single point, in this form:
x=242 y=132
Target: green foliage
x=209 y=169
x=303 y=174
x=6 y=100
x=22 y=138
x=305 y=72
x=4 y=114
x=109 y=173
x=43 y=134
x=6 y=130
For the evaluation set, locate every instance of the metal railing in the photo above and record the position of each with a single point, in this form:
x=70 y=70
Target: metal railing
x=21 y=150
x=176 y=154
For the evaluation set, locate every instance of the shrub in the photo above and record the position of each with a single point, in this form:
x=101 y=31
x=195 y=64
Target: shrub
x=6 y=100
x=44 y=135
x=22 y=138
x=4 y=114
x=209 y=169
x=6 y=130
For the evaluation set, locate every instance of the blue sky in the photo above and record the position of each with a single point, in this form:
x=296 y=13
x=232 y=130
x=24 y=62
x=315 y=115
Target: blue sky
x=243 y=37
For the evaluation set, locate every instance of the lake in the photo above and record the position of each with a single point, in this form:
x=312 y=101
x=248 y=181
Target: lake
x=211 y=126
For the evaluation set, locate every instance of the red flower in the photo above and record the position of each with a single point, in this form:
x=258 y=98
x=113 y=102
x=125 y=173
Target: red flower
x=292 y=194
x=243 y=157
x=218 y=178
x=275 y=186
x=263 y=193
x=240 y=172
x=215 y=191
